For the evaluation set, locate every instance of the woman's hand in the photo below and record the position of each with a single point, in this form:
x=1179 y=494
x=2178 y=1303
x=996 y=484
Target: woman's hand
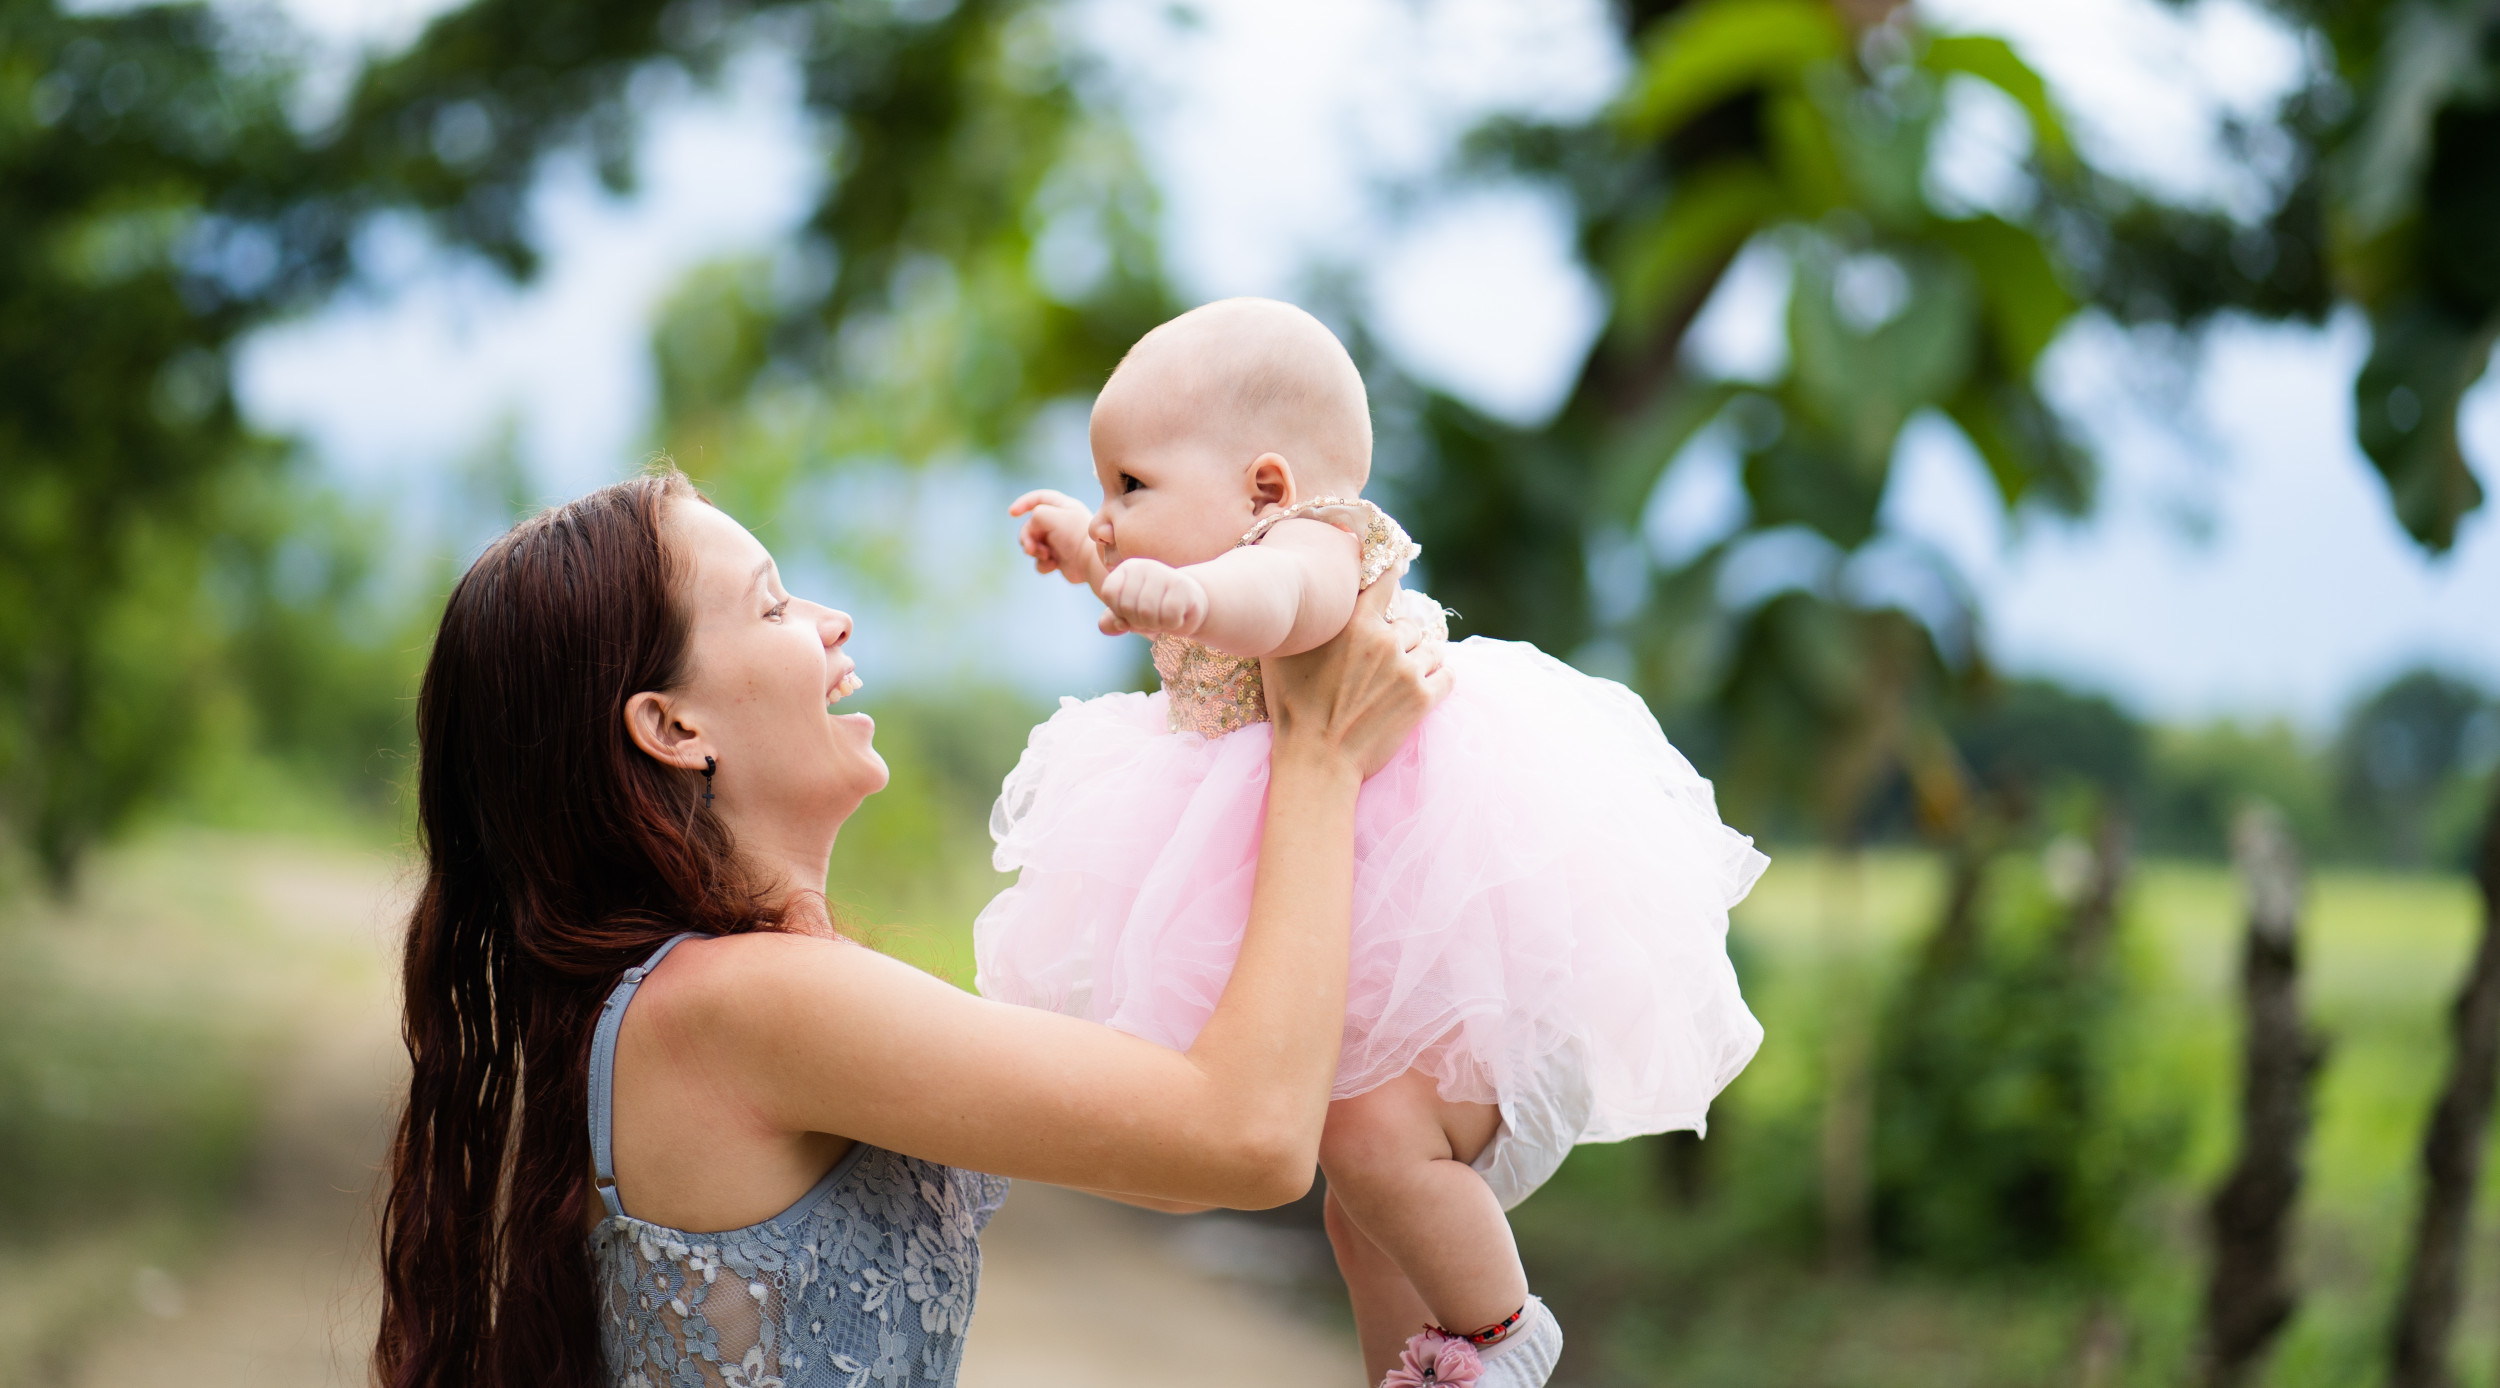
x=1359 y=696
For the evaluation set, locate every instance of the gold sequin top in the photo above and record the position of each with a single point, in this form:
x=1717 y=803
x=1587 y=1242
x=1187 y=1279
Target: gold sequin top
x=1211 y=693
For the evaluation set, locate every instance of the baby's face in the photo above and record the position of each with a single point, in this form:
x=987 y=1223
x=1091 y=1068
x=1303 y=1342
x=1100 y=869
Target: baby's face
x=1170 y=490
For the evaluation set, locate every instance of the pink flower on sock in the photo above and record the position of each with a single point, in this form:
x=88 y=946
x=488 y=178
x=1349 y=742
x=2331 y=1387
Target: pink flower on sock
x=1434 y=1360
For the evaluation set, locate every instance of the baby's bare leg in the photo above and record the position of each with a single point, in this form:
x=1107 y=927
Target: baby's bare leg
x=1386 y=1308
x=1396 y=1160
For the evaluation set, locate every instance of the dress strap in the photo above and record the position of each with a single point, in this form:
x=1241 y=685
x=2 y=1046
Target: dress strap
x=603 y=1072
x=1385 y=543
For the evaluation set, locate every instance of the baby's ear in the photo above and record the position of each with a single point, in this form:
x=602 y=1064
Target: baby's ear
x=1272 y=482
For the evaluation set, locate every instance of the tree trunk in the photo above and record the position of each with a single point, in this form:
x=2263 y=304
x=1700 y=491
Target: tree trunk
x=2095 y=917
x=2452 y=1152
x=2250 y=1298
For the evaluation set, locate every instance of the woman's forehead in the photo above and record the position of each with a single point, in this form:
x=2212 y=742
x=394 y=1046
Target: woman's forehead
x=719 y=550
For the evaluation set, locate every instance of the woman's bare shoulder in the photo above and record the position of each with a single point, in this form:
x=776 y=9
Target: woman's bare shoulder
x=730 y=984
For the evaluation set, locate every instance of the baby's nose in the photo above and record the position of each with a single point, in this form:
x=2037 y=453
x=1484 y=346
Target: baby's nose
x=1100 y=530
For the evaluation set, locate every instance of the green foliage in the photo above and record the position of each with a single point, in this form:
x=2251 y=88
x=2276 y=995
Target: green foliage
x=2388 y=200
x=2204 y=776
x=1803 y=129
x=982 y=246
x=2407 y=754
x=155 y=212
x=2034 y=740
x=1999 y=1134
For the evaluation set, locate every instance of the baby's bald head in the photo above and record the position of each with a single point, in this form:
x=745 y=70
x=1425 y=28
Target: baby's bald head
x=1261 y=377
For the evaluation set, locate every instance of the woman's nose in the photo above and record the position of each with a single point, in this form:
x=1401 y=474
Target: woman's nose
x=834 y=627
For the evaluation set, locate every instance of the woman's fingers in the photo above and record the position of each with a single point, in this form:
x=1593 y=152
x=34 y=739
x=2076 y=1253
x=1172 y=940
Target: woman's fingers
x=1363 y=692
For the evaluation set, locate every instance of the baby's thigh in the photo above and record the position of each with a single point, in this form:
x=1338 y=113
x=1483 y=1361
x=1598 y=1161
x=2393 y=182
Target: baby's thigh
x=1401 y=1121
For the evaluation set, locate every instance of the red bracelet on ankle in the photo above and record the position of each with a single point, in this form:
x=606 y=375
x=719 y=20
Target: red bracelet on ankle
x=1486 y=1336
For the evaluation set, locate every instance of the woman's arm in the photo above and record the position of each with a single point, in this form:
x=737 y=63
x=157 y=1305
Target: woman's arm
x=1282 y=596
x=822 y=1036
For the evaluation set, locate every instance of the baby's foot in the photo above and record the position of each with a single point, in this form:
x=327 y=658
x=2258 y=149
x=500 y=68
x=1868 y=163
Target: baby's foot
x=1432 y=1358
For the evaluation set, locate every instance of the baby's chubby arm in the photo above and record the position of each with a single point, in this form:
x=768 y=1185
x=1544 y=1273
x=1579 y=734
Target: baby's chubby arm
x=1055 y=537
x=1287 y=594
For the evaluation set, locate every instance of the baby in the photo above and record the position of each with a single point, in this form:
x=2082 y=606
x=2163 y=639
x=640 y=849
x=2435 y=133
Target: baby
x=1541 y=881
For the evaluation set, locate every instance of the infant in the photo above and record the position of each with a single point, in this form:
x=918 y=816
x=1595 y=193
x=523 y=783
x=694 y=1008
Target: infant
x=1541 y=881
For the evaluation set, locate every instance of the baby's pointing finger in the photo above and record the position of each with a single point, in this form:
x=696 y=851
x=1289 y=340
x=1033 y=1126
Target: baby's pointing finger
x=1039 y=497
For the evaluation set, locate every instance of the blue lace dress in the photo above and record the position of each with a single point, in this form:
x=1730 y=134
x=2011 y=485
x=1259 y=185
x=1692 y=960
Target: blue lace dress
x=868 y=1280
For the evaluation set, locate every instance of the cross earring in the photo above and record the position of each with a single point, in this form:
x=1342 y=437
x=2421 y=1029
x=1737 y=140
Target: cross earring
x=709 y=766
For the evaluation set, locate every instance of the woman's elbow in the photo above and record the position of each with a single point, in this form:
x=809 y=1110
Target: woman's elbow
x=1273 y=1167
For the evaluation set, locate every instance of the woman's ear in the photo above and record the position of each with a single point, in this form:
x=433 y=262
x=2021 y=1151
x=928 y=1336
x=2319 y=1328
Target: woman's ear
x=1271 y=483
x=653 y=721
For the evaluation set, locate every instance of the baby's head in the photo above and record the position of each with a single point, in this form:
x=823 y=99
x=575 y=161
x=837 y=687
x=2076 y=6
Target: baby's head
x=1218 y=416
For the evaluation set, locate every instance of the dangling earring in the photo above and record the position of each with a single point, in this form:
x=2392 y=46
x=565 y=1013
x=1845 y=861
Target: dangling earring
x=709 y=766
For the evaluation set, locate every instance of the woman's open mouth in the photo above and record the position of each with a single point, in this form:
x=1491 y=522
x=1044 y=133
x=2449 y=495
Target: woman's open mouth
x=844 y=687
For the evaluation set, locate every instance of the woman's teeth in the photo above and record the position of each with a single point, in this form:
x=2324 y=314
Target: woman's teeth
x=848 y=686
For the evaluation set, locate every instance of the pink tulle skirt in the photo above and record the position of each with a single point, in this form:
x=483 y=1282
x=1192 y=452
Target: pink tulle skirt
x=1540 y=895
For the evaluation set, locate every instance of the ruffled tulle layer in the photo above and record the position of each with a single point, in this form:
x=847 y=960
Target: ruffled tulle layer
x=1541 y=888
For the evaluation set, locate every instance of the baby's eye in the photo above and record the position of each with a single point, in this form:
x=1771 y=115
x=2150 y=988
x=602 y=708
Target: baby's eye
x=1129 y=484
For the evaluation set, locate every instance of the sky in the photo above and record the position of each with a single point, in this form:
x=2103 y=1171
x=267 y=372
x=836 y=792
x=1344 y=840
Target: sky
x=2242 y=564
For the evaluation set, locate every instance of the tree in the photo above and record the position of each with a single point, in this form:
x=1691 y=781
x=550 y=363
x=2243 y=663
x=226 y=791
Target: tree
x=159 y=206
x=981 y=247
x=983 y=243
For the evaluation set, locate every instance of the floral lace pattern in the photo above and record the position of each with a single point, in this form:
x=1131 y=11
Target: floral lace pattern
x=1211 y=693
x=867 y=1282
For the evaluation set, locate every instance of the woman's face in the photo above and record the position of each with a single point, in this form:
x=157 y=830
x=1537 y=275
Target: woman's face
x=765 y=669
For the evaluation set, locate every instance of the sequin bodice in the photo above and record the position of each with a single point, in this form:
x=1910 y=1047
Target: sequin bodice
x=1211 y=693
x=867 y=1282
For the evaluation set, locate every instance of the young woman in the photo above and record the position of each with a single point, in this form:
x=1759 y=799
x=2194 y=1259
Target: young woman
x=666 y=1126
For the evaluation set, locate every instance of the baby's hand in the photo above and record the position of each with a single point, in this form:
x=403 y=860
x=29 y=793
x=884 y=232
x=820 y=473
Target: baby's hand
x=1055 y=534
x=1144 y=595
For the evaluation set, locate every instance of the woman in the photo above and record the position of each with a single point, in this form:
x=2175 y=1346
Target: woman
x=631 y=1018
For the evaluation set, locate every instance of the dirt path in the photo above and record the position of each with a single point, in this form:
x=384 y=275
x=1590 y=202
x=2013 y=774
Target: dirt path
x=1075 y=1291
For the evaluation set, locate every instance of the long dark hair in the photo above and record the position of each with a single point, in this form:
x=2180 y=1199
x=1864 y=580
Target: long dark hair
x=557 y=855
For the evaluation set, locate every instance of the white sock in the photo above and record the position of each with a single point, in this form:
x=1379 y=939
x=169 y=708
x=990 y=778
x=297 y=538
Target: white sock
x=1526 y=1357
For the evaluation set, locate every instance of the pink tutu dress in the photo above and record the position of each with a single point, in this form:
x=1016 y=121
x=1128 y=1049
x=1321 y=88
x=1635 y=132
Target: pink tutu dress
x=1541 y=885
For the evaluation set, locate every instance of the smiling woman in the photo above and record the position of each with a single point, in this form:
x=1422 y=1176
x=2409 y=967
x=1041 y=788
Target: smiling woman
x=630 y=782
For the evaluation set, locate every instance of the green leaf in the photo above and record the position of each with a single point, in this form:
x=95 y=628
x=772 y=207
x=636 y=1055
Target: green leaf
x=1629 y=470
x=2434 y=56
x=1809 y=478
x=1993 y=61
x=1878 y=149
x=1861 y=382
x=2422 y=362
x=1718 y=48
x=1663 y=258
x=1802 y=150
x=2027 y=450
x=2026 y=301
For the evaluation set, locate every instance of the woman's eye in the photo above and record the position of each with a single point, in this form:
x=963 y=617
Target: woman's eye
x=1129 y=484
x=774 y=615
